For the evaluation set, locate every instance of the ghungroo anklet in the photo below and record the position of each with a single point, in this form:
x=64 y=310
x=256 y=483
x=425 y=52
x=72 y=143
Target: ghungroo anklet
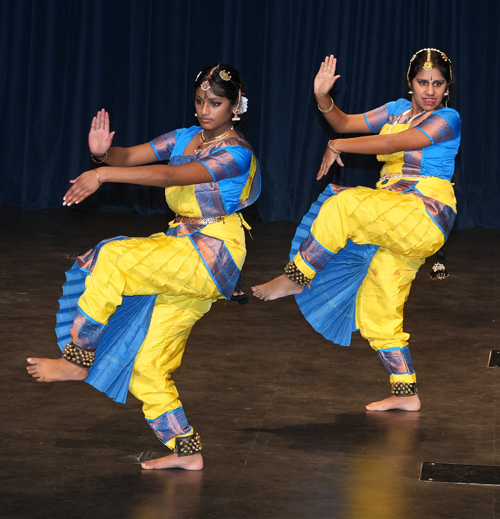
x=293 y=273
x=438 y=271
x=188 y=445
x=403 y=388
x=76 y=355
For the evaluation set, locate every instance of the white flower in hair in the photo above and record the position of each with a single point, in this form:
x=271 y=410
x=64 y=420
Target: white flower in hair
x=243 y=105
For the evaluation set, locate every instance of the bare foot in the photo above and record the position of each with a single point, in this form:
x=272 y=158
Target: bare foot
x=55 y=370
x=281 y=286
x=403 y=403
x=172 y=461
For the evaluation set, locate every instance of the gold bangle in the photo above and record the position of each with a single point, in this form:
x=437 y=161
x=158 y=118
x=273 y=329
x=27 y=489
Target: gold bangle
x=333 y=149
x=329 y=109
x=97 y=176
x=94 y=157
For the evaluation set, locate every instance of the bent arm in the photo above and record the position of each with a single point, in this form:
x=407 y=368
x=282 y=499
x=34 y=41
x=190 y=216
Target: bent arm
x=411 y=139
x=153 y=175
x=158 y=175
x=323 y=83
x=339 y=120
x=386 y=144
x=133 y=156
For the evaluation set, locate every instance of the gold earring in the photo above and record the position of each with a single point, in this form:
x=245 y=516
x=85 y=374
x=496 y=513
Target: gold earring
x=410 y=92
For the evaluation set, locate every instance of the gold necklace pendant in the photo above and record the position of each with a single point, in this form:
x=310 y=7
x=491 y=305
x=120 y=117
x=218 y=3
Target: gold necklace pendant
x=213 y=139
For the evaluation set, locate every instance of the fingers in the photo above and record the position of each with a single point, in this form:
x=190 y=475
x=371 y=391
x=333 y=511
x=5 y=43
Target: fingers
x=329 y=158
x=100 y=121
x=83 y=186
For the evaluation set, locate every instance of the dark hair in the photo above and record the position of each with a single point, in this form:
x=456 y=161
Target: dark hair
x=232 y=87
x=438 y=59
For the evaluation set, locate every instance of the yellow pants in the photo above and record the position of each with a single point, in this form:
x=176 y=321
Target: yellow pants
x=172 y=269
x=400 y=225
x=161 y=354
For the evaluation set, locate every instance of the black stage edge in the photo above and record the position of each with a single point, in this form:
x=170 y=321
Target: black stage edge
x=464 y=474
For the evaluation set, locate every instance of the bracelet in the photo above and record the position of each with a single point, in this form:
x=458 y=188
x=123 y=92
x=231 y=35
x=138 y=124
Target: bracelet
x=97 y=176
x=329 y=109
x=333 y=149
x=94 y=157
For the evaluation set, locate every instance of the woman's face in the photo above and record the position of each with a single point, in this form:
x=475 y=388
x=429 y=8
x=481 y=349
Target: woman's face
x=214 y=112
x=428 y=88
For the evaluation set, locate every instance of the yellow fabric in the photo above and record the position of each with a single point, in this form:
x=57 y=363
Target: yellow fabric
x=161 y=353
x=159 y=264
x=248 y=186
x=182 y=200
x=400 y=225
x=171 y=268
x=393 y=161
x=303 y=266
x=145 y=266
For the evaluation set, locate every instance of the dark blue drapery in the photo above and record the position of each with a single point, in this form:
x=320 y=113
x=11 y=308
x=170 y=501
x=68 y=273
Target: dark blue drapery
x=62 y=60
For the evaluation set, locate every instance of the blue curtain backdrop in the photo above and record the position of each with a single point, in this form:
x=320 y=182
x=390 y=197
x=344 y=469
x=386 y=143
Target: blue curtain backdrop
x=62 y=60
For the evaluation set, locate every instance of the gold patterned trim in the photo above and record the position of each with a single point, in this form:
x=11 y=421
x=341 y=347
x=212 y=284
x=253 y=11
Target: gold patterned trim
x=388 y=177
x=199 y=220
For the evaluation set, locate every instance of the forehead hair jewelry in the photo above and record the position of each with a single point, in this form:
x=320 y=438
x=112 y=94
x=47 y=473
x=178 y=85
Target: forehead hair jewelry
x=428 y=64
x=206 y=84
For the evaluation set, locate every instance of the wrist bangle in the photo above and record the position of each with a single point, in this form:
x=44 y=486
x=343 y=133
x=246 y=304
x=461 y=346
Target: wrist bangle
x=329 y=109
x=96 y=158
x=333 y=149
x=97 y=176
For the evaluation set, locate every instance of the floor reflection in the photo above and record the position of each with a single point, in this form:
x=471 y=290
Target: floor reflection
x=177 y=494
x=375 y=485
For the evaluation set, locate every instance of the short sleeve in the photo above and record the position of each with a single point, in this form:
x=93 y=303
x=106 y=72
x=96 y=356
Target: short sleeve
x=441 y=126
x=163 y=145
x=375 y=119
x=229 y=162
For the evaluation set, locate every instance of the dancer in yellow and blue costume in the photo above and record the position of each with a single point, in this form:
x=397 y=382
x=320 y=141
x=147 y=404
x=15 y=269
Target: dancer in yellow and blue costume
x=359 y=249
x=129 y=304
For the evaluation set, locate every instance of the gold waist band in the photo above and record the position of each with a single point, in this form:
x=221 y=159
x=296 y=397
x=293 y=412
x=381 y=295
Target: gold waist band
x=388 y=177
x=199 y=220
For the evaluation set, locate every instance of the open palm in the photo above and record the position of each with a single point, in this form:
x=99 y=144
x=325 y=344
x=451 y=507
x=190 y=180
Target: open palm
x=326 y=78
x=100 y=138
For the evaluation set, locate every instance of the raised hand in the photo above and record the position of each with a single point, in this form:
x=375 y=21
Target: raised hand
x=329 y=157
x=326 y=78
x=83 y=186
x=100 y=139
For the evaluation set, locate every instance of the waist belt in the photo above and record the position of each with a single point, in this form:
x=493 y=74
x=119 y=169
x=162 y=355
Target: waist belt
x=388 y=177
x=198 y=220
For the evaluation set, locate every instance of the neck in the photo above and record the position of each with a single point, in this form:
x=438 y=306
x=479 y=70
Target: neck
x=212 y=134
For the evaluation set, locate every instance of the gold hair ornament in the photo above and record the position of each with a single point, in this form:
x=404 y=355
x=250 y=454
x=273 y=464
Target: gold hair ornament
x=428 y=64
x=226 y=76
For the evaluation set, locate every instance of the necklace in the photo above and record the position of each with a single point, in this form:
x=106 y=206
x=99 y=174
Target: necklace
x=407 y=122
x=204 y=141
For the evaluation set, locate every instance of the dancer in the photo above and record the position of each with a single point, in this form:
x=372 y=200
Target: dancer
x=359 y=249
x=129 y=304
